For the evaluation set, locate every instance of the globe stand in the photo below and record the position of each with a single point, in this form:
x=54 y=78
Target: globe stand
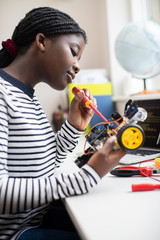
x=145 y=91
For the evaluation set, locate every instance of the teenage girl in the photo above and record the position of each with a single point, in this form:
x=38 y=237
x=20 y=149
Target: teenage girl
x=45 y=46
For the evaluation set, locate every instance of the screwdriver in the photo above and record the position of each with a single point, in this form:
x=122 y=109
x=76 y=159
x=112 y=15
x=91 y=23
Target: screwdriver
x=88 y=103
x=144 y=187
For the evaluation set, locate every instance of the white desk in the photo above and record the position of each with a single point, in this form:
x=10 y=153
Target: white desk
x=111 y=211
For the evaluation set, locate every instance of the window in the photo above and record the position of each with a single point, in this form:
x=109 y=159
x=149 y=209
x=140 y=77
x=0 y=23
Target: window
x=153 y=10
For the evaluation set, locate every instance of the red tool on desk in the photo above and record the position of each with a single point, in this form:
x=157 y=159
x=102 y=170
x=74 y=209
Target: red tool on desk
x=88 y=103
x=145 y=187
x=147 y=171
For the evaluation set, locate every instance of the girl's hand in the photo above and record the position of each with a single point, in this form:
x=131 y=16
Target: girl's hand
x=106 y=158
x=80 y=116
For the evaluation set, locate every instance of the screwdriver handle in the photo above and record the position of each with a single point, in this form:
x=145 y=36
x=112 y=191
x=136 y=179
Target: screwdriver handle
x=85 y=100
x=88 y=103
x=144 y=187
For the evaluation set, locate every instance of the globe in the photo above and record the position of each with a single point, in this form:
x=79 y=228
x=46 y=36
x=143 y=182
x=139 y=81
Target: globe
x=137 y=49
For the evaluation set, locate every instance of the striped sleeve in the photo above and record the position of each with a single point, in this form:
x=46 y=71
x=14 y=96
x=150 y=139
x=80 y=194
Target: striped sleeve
x=19 y=194
x=76 y=183
x=66 y=139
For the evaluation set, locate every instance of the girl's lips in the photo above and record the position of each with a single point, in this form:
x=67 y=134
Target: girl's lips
x=71 y=76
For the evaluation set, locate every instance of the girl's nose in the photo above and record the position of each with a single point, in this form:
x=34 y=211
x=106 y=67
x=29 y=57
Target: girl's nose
x=76 y=67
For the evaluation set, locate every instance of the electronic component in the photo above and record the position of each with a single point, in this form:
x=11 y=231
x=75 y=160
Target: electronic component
x=129 y=135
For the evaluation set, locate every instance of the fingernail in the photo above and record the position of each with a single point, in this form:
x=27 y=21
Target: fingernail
x=80 y=94
x=112 y=139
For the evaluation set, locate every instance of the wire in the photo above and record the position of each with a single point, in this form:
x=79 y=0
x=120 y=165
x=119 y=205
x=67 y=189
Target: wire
x=100 y=123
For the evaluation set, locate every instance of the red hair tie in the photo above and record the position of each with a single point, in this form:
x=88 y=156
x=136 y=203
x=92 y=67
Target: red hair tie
x=10 y=46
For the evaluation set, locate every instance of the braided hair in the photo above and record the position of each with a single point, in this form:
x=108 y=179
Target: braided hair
x=49 y=21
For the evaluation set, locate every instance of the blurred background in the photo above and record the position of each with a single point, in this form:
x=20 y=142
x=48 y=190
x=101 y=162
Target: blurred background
x=102 y=20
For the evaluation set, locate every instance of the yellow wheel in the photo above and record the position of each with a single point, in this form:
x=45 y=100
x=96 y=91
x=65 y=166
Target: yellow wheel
x=130 y=137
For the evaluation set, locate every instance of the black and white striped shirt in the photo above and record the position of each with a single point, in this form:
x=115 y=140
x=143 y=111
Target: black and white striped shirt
x=29 y=154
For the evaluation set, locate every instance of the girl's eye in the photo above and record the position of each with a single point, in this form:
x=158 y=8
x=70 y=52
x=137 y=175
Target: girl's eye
x=73 y=52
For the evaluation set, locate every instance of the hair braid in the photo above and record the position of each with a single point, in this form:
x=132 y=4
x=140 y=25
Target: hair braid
x=49 y=21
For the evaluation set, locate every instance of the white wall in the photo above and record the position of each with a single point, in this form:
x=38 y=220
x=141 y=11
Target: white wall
x=117 y=16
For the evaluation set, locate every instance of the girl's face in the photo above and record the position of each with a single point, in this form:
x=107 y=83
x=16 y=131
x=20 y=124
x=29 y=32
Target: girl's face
x=60 y=60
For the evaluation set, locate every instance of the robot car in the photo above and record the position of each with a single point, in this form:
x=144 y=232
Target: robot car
x=129 y=135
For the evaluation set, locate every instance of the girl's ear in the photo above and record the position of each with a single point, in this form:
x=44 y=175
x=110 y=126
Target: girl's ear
x=40 y=41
